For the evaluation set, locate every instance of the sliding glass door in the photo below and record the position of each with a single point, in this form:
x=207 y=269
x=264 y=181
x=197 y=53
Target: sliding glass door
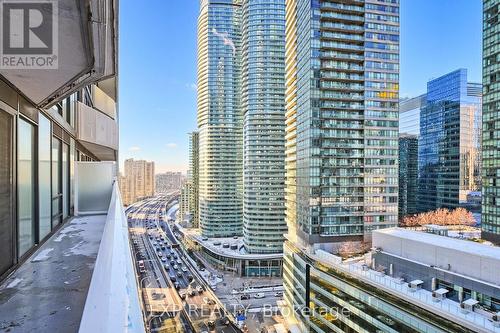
x=65 y=181
x=56 y=182
x=26 y=186
x=44 y=185
x=6 y=196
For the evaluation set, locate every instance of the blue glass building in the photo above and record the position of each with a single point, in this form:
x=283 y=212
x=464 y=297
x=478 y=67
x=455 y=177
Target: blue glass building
x=450 y=142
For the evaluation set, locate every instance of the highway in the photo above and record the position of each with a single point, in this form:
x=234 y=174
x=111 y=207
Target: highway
x=172 y=292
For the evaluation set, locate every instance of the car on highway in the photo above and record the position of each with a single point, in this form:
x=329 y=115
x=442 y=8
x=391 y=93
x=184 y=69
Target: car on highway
x=224 y=321
x=142 y=269
x=184 y=269
x=208 y=301
x=245 y=296
x=259 y=295
x=278 y=294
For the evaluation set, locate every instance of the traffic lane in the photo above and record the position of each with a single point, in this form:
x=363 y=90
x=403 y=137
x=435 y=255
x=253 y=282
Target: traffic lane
x=234 y=302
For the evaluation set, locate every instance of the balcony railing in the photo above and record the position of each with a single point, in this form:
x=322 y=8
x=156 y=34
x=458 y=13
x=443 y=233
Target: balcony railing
x=112 y=303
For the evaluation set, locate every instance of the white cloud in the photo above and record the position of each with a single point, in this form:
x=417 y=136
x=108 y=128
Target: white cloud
x=171 y=145
x=134 y=148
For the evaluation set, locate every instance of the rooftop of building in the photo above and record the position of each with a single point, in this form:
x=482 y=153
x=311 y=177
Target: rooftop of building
x=238 y=253
x=451 y=243
x=359 y=267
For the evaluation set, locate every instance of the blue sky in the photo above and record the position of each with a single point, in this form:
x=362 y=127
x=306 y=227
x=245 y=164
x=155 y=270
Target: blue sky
x=158 y=67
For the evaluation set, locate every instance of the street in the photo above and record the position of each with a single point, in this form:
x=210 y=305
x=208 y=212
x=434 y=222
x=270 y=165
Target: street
x=173 y=294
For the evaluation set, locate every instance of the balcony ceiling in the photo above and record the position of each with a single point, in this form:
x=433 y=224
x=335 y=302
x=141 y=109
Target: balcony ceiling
x=87 y=53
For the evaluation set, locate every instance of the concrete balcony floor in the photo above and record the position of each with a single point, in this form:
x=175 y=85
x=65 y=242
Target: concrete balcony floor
x=47 y=292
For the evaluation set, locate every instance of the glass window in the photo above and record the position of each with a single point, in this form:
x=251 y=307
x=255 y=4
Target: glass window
x=72 y=157
x=6 y=219
x=56 y=182
x=65 y=181
x=45 y=195
x=26 y=186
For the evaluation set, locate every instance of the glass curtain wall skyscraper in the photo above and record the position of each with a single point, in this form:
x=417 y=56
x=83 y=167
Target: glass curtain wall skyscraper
x=263 y=104
x=220 y=118
x=408 y=174
x=342 y=118
x=490 y=220
x=450 y=142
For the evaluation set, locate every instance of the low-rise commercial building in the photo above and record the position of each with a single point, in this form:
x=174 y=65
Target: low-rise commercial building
x=410 y=282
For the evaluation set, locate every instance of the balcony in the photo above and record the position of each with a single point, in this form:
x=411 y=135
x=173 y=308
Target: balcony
x=82 y=278
x=97 y=127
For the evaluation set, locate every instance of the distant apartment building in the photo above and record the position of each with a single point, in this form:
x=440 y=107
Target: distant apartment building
x=138 y=180
x=449 y=152
x=490 y=223
x=410 y=282
x=409 y=114
x=51 y=118
x=263 y=105
x=194 y=178
x=220 y=118
x=408 y=174
x=184 y=214
x=169 y=181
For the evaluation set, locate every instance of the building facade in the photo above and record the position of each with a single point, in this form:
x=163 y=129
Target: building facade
x=194 y=177
x=405 y=285
x=263 y=105
x=169 y=181
x=50 y=118
x=342 y=119
x=409 y=114
x=138 y=181
x=490 y=223
x=408 y=175
x=449 y=156
x=184 y=214
x=220 y=119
